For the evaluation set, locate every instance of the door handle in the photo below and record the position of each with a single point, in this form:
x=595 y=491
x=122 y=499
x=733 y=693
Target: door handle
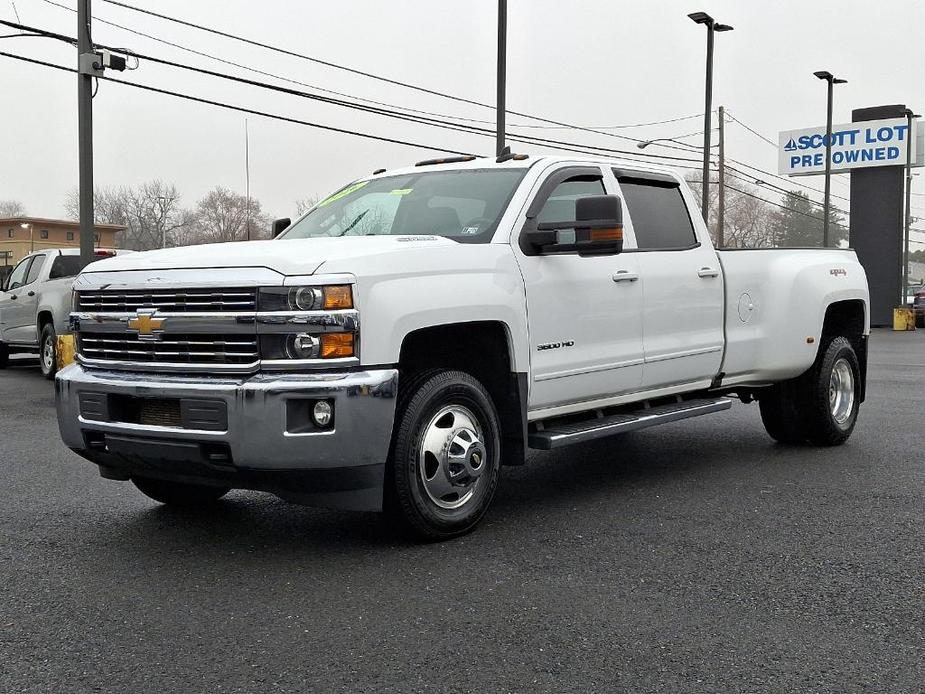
x=708 y=272
x=624 y=276
x=31 y=294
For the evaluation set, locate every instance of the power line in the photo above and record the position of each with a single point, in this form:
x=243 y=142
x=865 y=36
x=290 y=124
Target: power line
x=188 y=97
x=773 y=175
x=241 y=66
x=612 y=127
x=242 y=109
x=752 y=131
x=484 y=132
x=369 y=75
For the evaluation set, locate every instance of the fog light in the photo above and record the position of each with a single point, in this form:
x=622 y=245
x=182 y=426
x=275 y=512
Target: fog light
x=323 y=413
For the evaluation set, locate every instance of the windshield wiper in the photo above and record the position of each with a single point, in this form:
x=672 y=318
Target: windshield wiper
x=353 y=223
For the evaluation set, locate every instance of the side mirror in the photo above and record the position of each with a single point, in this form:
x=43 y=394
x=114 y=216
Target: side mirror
x=280 y=225
x=598 y=226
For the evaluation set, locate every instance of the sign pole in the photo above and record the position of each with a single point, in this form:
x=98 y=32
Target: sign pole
x=910 y=139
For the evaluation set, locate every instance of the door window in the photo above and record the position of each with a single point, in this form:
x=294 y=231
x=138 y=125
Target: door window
x=36 y=269
x=18 y=276
x=560 y=205
x=660 y=218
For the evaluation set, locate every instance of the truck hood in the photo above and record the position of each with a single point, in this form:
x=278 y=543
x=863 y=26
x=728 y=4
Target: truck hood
x=288 y=257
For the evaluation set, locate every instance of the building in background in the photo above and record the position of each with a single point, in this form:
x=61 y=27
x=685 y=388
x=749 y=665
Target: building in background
x=19 y=236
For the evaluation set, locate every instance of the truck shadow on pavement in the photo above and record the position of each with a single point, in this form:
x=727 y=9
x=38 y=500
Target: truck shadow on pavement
x=550 y=489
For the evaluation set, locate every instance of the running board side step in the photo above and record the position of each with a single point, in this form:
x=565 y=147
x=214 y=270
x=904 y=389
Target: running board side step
x=558 y=435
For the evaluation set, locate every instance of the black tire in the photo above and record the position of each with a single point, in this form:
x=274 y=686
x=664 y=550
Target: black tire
x=920 y=320
x=780 y=416
x=48 y=352
x=823 y=428
x=805 y=410
x=429 y=403
x=4 y=356
x=179 y=493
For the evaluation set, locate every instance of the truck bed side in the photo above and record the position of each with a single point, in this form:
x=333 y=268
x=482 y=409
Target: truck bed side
x=776 y=305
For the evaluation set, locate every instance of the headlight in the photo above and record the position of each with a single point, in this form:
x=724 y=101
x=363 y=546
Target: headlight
x=306 y=346
x=328 y=298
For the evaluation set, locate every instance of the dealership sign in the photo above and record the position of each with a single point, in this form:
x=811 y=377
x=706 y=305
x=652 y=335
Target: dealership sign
x=854 y=146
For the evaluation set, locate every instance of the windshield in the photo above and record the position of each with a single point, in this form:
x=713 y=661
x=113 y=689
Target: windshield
x=462 y=205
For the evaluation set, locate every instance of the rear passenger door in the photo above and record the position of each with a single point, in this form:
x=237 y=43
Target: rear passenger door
x=682 y=282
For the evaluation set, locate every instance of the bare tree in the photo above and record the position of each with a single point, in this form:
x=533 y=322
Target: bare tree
x=222 y=216
x=303 y=205
x=150 y=212
x=749 y=221
x=12 y=208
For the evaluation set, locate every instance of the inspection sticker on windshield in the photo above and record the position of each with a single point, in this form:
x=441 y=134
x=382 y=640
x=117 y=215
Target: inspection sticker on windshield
x=343 y=193
x=470 y=230
x=401 y=191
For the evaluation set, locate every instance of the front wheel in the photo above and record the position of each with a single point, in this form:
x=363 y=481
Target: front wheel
x=446 y=455
x=48 y=352
x=178 y=493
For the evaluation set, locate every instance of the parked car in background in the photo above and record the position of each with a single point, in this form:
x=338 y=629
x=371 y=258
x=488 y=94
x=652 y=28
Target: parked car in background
x=918 y=305
x=35 y=302
x=911 y=291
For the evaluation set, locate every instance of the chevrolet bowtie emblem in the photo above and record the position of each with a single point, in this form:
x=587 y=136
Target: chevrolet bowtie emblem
x=146 y=324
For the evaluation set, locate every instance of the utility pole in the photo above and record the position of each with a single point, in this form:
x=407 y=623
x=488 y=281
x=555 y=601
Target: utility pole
x=247 y=185
x=910 y=141
x=87 y=61
x=721 y=214
x=502 y=75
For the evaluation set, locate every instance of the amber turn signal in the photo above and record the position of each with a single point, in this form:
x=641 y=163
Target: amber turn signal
x=336 y=345
x=338 y=296
x=614 y=234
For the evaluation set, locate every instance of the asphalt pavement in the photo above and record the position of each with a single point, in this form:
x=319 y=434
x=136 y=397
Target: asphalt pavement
x=694 y=557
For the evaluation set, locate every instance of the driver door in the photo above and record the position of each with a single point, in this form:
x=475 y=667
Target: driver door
x=584 y=313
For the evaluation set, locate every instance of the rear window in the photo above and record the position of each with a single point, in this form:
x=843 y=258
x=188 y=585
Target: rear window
x=65 y=266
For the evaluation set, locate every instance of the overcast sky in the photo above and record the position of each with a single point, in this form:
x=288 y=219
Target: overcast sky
x=589 y=62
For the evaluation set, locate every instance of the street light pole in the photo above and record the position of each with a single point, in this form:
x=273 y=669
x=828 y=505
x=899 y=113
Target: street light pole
x=910 y=140
x=712 y=27
x=832 y=81
x=502 y=76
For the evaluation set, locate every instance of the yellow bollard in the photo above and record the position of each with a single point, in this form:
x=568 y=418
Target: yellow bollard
x=65 y=350
x=903 y=319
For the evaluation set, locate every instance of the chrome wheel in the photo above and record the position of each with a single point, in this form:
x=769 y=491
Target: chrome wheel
x=452 y=457
x=48 y=354
x=841 y=391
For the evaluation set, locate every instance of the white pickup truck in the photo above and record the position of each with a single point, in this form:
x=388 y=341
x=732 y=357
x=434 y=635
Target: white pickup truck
x=419 y=328
x=35 y=302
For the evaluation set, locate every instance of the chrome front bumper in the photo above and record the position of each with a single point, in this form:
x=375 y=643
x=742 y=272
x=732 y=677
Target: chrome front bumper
x=270 y=442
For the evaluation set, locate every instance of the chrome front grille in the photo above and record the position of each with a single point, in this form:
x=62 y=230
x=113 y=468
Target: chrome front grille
x=194 y=300
x=236 y=349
